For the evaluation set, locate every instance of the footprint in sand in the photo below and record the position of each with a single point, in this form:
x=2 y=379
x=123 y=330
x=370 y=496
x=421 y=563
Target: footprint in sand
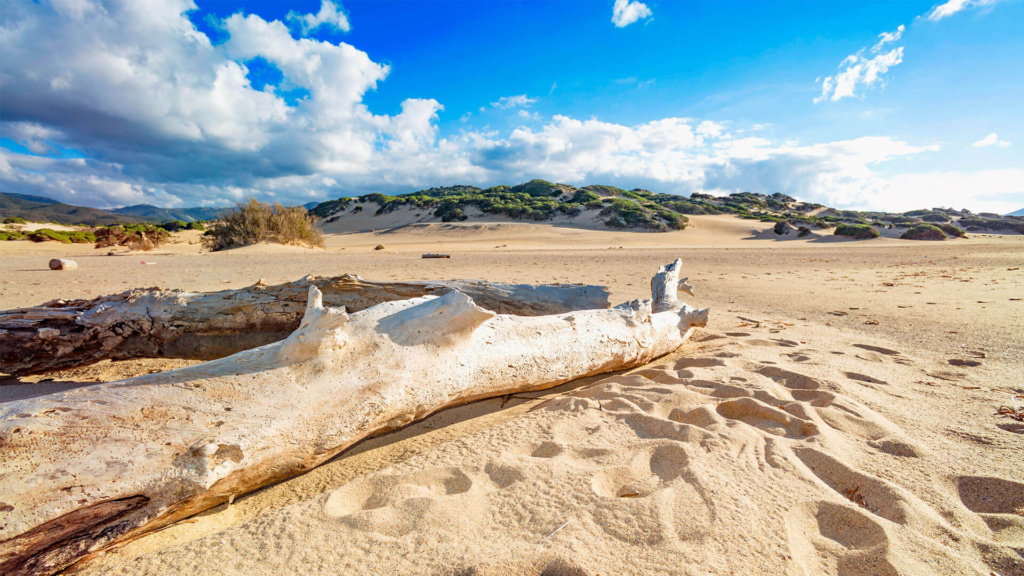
x=878 y=354
x=789 y=379
x=830 y=538
x=684 y=363
x=989 y=495
x=999 y=502
x=396 y=504
x=652 y=498
x=767 y=418
x=964 y=363
x=503 y=475
x=864 y=378
x=663 y=375
x=770 y=342
x=878 y=349
x=547 y=450
x=880 y=497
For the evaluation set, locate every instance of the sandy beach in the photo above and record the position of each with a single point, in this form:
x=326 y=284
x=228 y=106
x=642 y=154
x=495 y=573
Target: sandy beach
x=836 y=416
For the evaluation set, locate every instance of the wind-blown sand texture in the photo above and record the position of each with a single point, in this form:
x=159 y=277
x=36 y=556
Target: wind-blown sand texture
x=816 y=426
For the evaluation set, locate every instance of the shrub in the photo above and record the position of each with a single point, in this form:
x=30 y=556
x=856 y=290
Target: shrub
x=178 y=225
x=924 y=232
x=584 y=196
x=143 y=237
x=81 y=237
x=14 y=220
x=857 y=231
x=448 y=211
x=6 y=235
x=45 y=235
x=380 y=247
x=255 y=221
x=952 y=230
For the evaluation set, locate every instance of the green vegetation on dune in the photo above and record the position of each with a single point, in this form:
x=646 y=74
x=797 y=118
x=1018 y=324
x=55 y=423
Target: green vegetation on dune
x=857 y=231
x=69 y=237
x=178 y=225
x=540 y=200
x=993 y=223
x=951 y=230
x=924 y=232
x=536 y=200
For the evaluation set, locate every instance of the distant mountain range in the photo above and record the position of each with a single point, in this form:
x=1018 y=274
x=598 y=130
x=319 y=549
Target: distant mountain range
x=157 y=214
x=43 y=209
x=1017 y=213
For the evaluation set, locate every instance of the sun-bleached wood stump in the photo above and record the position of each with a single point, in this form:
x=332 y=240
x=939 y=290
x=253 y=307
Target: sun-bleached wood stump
x=157 y=323
x=89 y=467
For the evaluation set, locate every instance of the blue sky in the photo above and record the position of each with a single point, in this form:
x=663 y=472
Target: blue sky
x=880 y=105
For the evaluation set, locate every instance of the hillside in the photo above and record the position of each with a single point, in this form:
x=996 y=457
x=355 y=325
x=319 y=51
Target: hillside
x=42 y=209
x=1017 y=213
x=611 y=207
x=157 y=214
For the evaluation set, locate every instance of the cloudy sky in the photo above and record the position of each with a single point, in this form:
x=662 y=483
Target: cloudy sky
x=859 y=104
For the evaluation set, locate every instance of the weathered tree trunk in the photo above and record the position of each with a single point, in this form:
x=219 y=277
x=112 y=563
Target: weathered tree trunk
x=157 y=323
x=89 y=467
x=63 y=264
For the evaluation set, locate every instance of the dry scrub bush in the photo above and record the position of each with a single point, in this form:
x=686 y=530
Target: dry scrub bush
x=254 y=221
x=143 y=237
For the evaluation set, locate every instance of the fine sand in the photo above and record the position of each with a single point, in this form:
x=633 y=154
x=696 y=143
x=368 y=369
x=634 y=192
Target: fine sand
x=816 y=426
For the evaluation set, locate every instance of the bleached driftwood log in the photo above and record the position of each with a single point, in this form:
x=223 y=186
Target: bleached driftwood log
x=157 y=323
x=89 y=467
x=63 y=264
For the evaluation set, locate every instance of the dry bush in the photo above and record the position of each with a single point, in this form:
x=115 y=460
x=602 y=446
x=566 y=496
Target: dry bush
x=254 y=221
x=143 y=237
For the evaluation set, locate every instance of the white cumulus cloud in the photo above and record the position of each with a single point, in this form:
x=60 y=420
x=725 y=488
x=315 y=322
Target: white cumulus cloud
x=863 y=70
x=506 y=102
x=164 y=116
x=887 y=37
x=329 y=16
x=139 y=88
x=626 y=12
x=991 y=140
x=951 y=7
